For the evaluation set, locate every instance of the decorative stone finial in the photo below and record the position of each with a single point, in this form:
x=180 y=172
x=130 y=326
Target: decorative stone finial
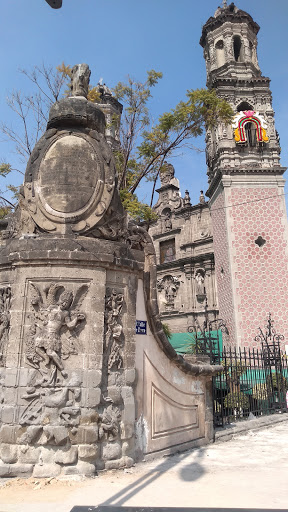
x=186 y=199
x=202 y=198
x=167 y=173
x=80 y=80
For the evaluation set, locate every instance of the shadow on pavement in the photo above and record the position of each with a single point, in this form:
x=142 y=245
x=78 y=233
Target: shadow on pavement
x=191 y=472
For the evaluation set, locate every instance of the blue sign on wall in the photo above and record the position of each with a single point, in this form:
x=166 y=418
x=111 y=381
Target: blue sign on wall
x=141 y=327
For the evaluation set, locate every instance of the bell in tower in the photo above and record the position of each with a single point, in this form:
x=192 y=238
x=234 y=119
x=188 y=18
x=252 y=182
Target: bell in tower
x=246 y=185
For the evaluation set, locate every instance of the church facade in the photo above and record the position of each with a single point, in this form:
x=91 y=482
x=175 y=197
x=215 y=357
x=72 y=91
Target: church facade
x=245 y=227
x=183 y=243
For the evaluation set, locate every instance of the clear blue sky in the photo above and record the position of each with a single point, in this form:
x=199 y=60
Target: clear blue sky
x=121 y=37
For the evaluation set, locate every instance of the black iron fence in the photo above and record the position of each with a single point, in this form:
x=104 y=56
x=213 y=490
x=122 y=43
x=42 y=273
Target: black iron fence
x=253 y=382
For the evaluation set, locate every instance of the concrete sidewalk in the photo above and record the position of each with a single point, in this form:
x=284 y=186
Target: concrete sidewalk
x=249 y=471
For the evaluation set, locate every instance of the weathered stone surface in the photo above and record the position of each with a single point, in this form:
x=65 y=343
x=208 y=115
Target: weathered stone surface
x=111 y=451
x=91 y=397
x=124 y=462
x=46 y=470
x=7 y=414
x=82 y=468
x=128 y=417
x=56 y=435
x=11 y=470
x=10 y=377
x=114 y=392
x=88 y=452
x=8 y=434
x=130 y=376
x=28 y=454
x=85 y=435
x=68 y=456
x=30 y=435
x=93 y=378
x=8 y=453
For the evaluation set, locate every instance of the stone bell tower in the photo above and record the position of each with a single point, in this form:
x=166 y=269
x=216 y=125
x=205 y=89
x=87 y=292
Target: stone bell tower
x=246 y=187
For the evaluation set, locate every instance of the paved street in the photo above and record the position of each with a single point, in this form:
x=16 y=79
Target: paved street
x=249 y=471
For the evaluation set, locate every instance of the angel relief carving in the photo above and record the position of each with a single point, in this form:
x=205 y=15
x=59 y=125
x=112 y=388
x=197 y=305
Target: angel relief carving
x=53 y=331
x=5 y=299
x=114 y=329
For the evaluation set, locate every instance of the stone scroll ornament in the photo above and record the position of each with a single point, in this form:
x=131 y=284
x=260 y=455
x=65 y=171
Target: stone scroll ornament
x=114 y=330
x=53 y=332
x=5 y=300
x=249 y=116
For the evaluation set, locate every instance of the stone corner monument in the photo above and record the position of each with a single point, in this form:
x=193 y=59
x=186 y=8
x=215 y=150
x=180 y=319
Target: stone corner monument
x=80 y=391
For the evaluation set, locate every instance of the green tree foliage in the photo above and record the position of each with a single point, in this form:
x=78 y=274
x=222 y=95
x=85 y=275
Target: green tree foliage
x=144 y=145
x=167 y=330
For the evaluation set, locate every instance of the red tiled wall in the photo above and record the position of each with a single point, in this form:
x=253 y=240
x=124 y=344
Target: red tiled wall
x=260 y=274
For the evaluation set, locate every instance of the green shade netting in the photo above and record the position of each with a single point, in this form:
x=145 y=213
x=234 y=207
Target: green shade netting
x=183 y=341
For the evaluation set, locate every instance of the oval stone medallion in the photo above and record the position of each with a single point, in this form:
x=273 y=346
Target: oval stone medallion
x=68 y=174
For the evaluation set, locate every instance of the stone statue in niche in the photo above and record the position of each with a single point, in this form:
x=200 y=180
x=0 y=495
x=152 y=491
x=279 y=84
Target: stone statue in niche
x=5 y=300
x=80 y=80
x=55 y=313
x=167 y=221
x=109 y=423
x=114 y=329
x=170 y=285
x=200 y=288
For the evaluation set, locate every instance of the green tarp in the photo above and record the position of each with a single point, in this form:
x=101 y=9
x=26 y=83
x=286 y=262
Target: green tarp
x=183 y=342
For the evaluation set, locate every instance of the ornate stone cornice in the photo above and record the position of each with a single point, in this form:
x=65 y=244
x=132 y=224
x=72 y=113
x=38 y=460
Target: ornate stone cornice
x=227 y=16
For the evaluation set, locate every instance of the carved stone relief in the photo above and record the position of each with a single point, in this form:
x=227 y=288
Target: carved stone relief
x=53 y=329
x=170 y=285
x=167 y=222
x=200 y=287
x=80 y=80
x=109 y=423
x=113 y=330
x=52 y=405
x=5 y=300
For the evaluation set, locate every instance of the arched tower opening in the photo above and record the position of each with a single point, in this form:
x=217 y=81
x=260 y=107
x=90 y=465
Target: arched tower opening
x=244 y=105
x=238 y=49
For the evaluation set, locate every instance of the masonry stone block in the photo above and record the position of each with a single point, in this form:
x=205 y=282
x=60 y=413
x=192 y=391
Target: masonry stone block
x=12 y=470
x=114 y=392
x=88 y=452
x=111 y=451
x=82 y=468
x=93 y=378
x=8 y=453
x=7 y=414
x=130 y=376
x=68 y=456
x=28 y=454
x=46 y=470
x=8 y=434
x=11 y=377
x=91 y=397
